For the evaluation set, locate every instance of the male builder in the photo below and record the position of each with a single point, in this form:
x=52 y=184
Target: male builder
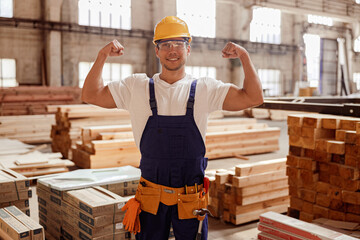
x=169 y=117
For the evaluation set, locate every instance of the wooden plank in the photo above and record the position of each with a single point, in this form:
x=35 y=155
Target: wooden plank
x=258 y=178
x=261 y=188
x=261 y=197
x=260 y=167
x=349 y=123
x=254 y=215
x=337 y=147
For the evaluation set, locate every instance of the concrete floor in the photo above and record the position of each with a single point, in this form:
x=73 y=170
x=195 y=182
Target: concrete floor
x=218 y=229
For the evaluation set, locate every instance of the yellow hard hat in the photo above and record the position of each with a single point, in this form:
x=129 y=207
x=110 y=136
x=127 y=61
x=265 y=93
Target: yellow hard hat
x=171 y=27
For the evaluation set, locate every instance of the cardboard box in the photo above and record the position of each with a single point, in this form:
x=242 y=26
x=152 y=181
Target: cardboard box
x=12 y=227
x=36 y=230
x=97 y=221
x=51 y=213
x=19 y=204
x=45 y=198
x=12 y=181
x=95 y=201
x=89 y=231
x=71 y=232
x=48 y=189
x=51 y=227
x=15 y=195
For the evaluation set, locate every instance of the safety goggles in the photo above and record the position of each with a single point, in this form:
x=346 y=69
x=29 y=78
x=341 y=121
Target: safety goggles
x=176 y=44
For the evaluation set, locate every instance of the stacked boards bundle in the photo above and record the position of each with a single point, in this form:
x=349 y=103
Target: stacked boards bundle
x=241 y=195
x=323 y=167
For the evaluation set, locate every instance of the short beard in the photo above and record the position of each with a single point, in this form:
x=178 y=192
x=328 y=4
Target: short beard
x=176 y=68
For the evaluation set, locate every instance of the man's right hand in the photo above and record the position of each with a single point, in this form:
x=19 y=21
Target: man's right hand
x=113 y=49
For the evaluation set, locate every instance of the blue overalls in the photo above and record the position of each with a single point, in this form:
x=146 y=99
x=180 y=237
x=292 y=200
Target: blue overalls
x=172 y=154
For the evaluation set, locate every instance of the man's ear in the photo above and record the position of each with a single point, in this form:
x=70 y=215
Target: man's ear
x=157 y=51
x=188 y=50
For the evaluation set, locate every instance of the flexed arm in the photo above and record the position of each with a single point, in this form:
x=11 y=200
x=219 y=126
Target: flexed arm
x=251 y=93
x=94 y=91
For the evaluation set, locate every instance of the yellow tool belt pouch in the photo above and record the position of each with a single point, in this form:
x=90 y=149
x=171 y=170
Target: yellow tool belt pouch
x=151 y=194
x=189 y=202
x=149 y=198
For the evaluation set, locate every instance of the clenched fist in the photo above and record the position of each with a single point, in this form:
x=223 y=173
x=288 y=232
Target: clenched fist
x=114 y=48
x=233 y=50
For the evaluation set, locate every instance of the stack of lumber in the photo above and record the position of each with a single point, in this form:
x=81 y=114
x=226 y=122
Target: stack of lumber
x=112 y=146
x=14 y=190
x=239 y=136
x=70 y=119
x=36 y=163
x=11 y=146
x=241 y=195
x=275 y=226
x=323 y=167
x=26 y=160
x=66 y=200
x=14 y=224
x=273 y=114
x=34 y=99
x=106 y=146
x=89 y=213
x=27 y=128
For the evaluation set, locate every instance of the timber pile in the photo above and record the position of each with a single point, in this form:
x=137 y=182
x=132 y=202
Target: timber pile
x=225 y=138
x=12 y=146
x=277 y=226
x=14 y=190
x=34 y=99
x=27 y=161
x=272 y=114
x=70 y=119
x=241 y=195
x=36 y=163
x=106 y=146
x=27 y=128
x=323 y=167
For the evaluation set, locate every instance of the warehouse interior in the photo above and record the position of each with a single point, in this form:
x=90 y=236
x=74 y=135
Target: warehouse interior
x=294 y=157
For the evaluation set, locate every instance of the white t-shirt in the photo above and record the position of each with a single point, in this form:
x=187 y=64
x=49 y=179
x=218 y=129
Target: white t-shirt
x=132 y=94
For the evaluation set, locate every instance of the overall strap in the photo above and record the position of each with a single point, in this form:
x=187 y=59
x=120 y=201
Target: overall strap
x=191 y=100
x=152 y=99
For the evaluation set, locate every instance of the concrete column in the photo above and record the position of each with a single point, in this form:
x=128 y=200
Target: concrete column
x=53 y=43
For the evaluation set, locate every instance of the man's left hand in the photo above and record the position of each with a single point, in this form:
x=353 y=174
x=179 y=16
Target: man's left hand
x=233 y=50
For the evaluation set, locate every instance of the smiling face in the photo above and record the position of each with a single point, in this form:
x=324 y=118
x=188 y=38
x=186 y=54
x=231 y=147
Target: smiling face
x=173 y=53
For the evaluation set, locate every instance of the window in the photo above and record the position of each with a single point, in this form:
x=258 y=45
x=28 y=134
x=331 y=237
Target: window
x=6 y=8
x=320 y=20
x=105 y=13
x=357 y=44
x=312 y=53
x=197 y=71
x=111 y=72
x=265 y=25
x=270 y=81
x=200 y=17
x=8 y=73
x=356 y=79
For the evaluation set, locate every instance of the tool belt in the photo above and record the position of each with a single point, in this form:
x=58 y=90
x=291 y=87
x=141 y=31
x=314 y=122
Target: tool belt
x=187 y=198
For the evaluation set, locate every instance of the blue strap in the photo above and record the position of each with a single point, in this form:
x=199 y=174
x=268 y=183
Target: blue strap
x=152 y=99
x=191 y=100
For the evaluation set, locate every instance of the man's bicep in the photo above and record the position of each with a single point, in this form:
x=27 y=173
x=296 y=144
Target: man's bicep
x=105 y=98
x=235 y=99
